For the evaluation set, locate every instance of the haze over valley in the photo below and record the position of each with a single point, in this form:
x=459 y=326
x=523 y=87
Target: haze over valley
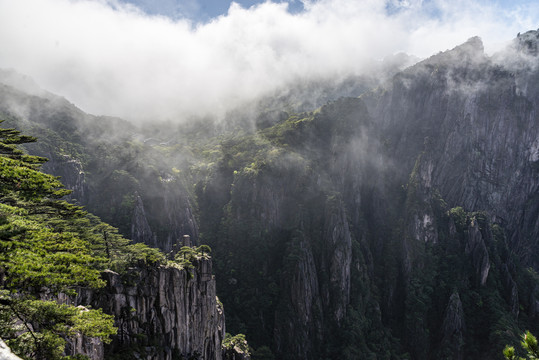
x=309 y=180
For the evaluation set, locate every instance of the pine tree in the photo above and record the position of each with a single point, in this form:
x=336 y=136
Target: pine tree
x=43 y=245
x=529 y=343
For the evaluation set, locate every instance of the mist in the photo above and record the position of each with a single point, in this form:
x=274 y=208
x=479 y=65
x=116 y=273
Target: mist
x=109 y=58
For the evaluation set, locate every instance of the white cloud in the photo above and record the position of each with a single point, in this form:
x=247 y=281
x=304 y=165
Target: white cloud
x=112 y=59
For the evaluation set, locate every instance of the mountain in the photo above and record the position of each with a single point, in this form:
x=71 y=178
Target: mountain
x=399 y=222
x=71 y=287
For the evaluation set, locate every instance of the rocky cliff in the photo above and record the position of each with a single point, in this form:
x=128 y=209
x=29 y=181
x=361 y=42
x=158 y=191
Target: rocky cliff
x=480 y=113
x=438 y=183
x=465 y=132
x=162 y=312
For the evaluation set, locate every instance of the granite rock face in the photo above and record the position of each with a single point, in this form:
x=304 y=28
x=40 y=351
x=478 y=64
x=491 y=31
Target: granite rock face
x=140 y=228
x=454 y=327
x=480 y=114
x=166 y=311
x=337 y=261
x=301 y=320
x=477 y=251
x=71 y=174
x=93 y=348
x=170 y=214
x=161 y=312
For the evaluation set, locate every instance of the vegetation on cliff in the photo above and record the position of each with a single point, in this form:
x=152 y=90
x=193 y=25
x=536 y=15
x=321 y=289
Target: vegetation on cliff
x=48 y=247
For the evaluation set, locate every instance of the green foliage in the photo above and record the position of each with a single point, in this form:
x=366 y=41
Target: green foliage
x=237 y=343
x=39 y=243
x=94 y=323
x=50 y=323
x=459 y=217
x=530 y=345
x=47 y=243
x=139 y=252
x=292 y=131
x=205 y=250
x=186 y=256
x=193 y=253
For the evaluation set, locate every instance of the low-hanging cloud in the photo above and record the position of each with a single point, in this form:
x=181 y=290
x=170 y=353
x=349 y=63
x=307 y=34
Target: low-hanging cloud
x=111 y=58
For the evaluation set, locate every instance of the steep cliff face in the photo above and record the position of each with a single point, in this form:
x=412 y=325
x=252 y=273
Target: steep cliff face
x=71 y=172
x=286 y=217
x=476 y=249
x=316 y=287
x=300 y=318
x=93 y=348
x=170 y=212
x=140 y=228
x=459 y=123
x=484 y=127
x=454 y=328
x=337 y=258
x=161 y=313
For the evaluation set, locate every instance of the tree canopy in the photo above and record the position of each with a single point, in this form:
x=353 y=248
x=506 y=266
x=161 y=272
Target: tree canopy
x=49 y=246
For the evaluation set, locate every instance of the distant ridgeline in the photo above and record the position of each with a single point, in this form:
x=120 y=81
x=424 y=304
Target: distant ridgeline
x=399 y=224
x=73 y=288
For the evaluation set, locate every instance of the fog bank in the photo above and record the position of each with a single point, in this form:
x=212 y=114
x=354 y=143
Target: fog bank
x=111 y=58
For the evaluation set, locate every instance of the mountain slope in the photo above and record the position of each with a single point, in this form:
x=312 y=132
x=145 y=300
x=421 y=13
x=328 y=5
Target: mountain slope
x=400 y=224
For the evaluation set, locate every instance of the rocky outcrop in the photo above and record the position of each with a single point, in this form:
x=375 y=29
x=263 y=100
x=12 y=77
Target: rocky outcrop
x=471 y=121
x=527 y=42
x=93 y=348
x=177 y=310
x=161 y=312
x=477 y=251
x=420 y=195
x=300 y=319
x=140 y=228
x=71 y=175
x=338 y=258
x=317 y=287
x=454 y=327
x=511 y=290
x=481 y=116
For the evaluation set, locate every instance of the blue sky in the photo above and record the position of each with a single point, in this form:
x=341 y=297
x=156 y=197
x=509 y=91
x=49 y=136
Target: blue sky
x=205 y=10
x=199 y=10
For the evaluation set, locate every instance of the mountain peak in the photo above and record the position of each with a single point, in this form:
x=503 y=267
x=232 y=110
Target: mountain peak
x=472 y=44
x=527 y=42
x=470 y=52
